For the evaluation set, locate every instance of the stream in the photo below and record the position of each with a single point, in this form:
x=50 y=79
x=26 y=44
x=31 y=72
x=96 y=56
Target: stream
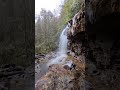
x=60 y=56
x=62 y=49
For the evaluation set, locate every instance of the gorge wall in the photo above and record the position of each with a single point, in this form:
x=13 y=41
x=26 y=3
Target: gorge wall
x=94 y=49
x=94 y=39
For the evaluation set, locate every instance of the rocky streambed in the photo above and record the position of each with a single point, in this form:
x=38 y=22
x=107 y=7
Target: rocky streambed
x=68 y=75
x=41 y=64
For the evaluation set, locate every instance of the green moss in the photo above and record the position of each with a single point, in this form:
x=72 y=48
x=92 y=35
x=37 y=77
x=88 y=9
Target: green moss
x=69 y=9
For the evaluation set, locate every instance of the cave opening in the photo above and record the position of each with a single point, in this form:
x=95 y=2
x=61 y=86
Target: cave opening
x=107 y=27
x=105 y=33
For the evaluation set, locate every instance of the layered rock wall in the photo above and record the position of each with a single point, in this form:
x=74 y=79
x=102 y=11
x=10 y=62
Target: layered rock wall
x=98 y=45
x=94 y=47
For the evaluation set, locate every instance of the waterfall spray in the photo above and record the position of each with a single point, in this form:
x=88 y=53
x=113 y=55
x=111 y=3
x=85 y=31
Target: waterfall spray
x=62 y=49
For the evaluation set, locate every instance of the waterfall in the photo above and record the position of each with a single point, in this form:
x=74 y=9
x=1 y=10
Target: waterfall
x=62 y=49
x=61 y=54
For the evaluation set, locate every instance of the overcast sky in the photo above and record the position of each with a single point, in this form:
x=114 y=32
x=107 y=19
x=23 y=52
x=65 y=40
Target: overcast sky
x=47 y=4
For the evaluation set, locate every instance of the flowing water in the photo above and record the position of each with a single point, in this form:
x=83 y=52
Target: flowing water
x=60 y=55
x=62 y=49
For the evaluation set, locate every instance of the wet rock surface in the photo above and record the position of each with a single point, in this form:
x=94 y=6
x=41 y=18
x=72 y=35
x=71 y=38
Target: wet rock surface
x=76 y=24
x=101 y=46
x=101 y=59
x=94 y=49
x=41 y=64
x=98 y=46
x=60 y=78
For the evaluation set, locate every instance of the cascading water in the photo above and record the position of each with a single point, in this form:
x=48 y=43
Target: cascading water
x=60 y=55
x=62 y=49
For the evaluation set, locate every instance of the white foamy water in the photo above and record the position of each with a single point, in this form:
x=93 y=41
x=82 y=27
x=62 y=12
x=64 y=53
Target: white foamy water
x=60 y=55
x=62 y=49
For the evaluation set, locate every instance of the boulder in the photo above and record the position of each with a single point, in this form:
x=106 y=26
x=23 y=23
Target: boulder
x=77 y=23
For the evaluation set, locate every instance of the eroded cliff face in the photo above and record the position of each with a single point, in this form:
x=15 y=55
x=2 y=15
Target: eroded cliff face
x=68 y=75
x=93 y=46
x=98 y=43
x=95 y=9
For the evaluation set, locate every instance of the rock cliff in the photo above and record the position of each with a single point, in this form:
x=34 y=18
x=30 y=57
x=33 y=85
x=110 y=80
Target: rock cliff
x=98 y=42
x=93 y=46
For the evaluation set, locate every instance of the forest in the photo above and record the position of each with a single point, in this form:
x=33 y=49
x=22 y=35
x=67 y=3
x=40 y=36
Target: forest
x=48 y=26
